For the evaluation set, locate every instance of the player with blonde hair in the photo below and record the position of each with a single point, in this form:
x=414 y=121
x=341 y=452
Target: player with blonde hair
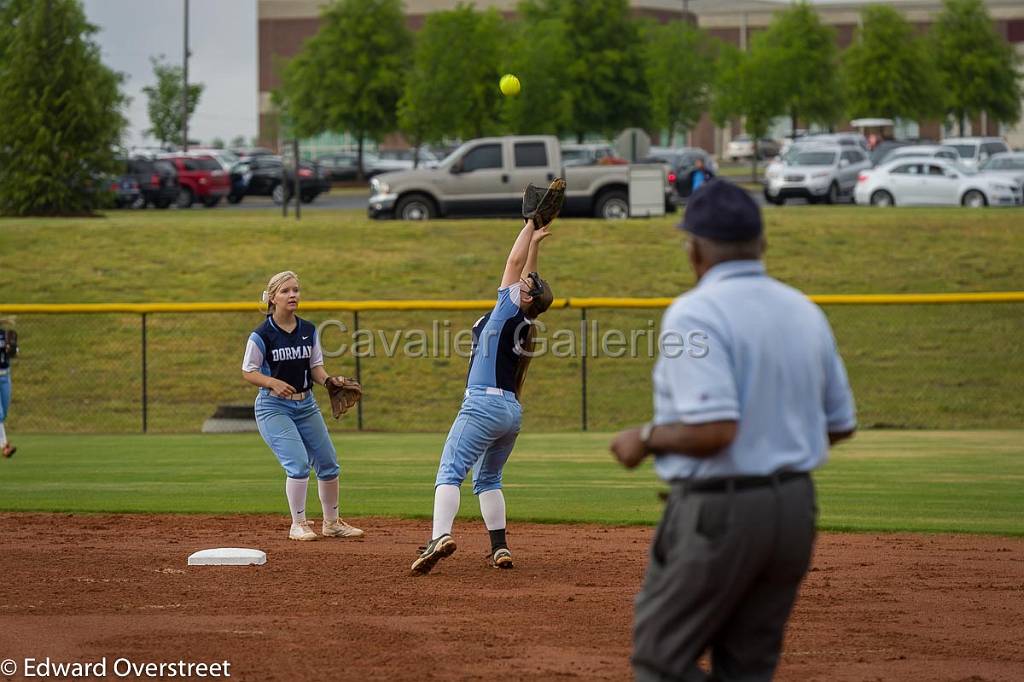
x=284 y=358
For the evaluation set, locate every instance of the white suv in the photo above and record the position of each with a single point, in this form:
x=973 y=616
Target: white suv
x=975 y=151
x=816 y=173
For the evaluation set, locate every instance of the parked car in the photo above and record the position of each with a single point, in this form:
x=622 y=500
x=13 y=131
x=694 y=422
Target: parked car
x=743 y=147
x=975 y=151
x=402 y=159
x=682 y=161
x=590 y=155
x=245 y=153
x=125 y=189
x=816 y=173
x=934 y=182
x=227 y=158
x=158 y=181
x=341 y=166
x=939 y=151
x=487 y=176
x=1006 y=164
x=261 y=176
x=886 y=147
x=841 y=139
x=201 y=178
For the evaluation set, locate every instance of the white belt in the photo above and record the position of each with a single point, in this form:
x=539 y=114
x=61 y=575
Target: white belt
x=491 y=390
x=3 y=372
x=293 y=396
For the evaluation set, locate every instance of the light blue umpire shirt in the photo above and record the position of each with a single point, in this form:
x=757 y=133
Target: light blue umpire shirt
x=743 y=346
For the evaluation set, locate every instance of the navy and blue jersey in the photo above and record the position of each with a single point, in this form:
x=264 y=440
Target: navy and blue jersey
x=288 y=356
x=498 y=341
x=5 y=354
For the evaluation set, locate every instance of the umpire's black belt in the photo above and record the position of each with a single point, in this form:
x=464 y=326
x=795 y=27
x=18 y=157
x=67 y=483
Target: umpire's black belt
x=722 y=485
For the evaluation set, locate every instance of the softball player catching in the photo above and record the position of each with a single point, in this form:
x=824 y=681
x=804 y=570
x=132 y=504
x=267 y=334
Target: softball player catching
x=8 y=350
x=486 y=427
x=284 y=358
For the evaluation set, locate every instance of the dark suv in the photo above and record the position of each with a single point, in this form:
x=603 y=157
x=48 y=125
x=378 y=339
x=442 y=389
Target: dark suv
x=261 y=176
x=158 y=182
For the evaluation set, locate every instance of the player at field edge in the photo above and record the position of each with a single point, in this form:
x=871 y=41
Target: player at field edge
x=284 y=358
x=8 y=350
x=485 y=430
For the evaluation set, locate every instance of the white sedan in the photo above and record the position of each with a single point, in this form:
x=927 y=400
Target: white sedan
x=933 y=182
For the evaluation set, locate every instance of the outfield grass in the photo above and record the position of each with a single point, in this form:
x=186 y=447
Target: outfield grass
x=915 y=367
x=966 y=481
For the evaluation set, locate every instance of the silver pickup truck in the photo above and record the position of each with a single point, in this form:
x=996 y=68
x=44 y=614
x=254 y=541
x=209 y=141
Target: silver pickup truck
x=486 y=177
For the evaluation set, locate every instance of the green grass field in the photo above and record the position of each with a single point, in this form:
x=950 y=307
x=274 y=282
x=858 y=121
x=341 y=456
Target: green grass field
x=914 y=367
x=965 y=481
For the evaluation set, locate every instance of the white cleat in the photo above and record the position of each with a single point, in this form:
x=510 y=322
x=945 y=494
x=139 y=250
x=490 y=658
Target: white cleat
x=340 y=529
x=302 y=532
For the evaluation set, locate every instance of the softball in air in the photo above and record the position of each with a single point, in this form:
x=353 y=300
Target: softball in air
x=509 y=85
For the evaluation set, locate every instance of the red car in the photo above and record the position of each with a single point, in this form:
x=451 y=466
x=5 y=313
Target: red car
x=202 y=178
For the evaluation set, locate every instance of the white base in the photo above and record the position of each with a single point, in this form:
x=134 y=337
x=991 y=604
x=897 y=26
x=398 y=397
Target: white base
x=228 y=556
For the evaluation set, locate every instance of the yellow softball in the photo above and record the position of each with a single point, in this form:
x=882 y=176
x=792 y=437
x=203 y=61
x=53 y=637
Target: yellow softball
x=509 y=85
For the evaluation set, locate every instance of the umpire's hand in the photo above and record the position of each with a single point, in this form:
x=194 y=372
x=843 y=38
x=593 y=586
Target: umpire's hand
x=628 y=448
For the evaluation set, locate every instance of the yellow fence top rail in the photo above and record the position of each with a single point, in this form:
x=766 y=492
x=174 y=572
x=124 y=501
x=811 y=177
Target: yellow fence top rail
x=415 y=304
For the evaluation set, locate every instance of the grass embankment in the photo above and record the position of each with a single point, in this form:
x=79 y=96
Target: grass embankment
x=937 y=367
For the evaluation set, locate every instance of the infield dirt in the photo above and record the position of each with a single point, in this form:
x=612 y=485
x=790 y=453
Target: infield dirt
x=84 y=587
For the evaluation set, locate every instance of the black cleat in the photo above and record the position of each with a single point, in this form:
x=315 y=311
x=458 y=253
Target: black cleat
x=436 y=549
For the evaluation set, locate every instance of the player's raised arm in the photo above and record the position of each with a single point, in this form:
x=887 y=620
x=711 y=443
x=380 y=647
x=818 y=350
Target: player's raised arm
x=531 y=257
x=518 y=256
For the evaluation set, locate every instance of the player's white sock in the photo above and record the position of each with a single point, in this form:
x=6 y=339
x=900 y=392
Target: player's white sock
x=329 y=498
x=295 y=489
x=492 y=508
x=446 y=507
x=3 y=435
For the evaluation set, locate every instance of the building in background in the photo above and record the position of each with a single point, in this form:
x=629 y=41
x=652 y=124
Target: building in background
x=285 y=24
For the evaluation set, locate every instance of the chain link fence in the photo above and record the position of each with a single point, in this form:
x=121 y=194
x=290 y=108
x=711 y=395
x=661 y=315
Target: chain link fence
x=926 y=366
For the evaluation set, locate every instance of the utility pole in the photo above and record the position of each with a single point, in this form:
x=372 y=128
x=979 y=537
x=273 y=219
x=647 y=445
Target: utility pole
x=184 y=89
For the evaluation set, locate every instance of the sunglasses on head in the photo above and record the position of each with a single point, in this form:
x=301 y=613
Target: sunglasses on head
x=536 y=288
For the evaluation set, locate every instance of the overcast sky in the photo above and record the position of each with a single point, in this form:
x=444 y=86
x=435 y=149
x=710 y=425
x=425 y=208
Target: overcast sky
x=222 y=37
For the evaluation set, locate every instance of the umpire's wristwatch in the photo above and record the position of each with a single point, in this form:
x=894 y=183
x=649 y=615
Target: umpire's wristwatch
x=645 y=435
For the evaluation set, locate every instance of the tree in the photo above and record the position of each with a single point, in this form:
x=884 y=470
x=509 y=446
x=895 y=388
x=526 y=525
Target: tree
x=238 y=141
x=537 y=55
x=808 y=62
x=452 y=87
x=679 y=67
x=747 y=86
x=62 y=111
x=604 y=74
x=888 y=71
x=164 y=105
x=977 y=67
x=348 y=77
x=217 y=143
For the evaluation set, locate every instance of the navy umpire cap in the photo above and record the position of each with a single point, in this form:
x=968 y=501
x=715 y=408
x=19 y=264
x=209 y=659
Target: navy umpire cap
x=722 y=211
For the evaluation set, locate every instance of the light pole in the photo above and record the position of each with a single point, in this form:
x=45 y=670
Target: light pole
x=184 y=89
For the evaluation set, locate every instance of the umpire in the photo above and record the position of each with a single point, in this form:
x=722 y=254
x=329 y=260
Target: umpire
x=749 y=392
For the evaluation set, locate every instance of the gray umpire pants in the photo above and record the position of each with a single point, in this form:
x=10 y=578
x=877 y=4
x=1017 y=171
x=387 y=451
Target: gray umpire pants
x=724 y=571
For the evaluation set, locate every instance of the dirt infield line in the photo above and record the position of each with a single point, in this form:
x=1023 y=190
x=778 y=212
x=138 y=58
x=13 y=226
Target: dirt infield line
x=80 y=588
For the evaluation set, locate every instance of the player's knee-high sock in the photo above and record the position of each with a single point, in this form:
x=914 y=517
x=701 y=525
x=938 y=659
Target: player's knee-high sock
x=295 y=489
x=329 y=498
x=3 y=435
x=446 y=506
x=492 y=508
